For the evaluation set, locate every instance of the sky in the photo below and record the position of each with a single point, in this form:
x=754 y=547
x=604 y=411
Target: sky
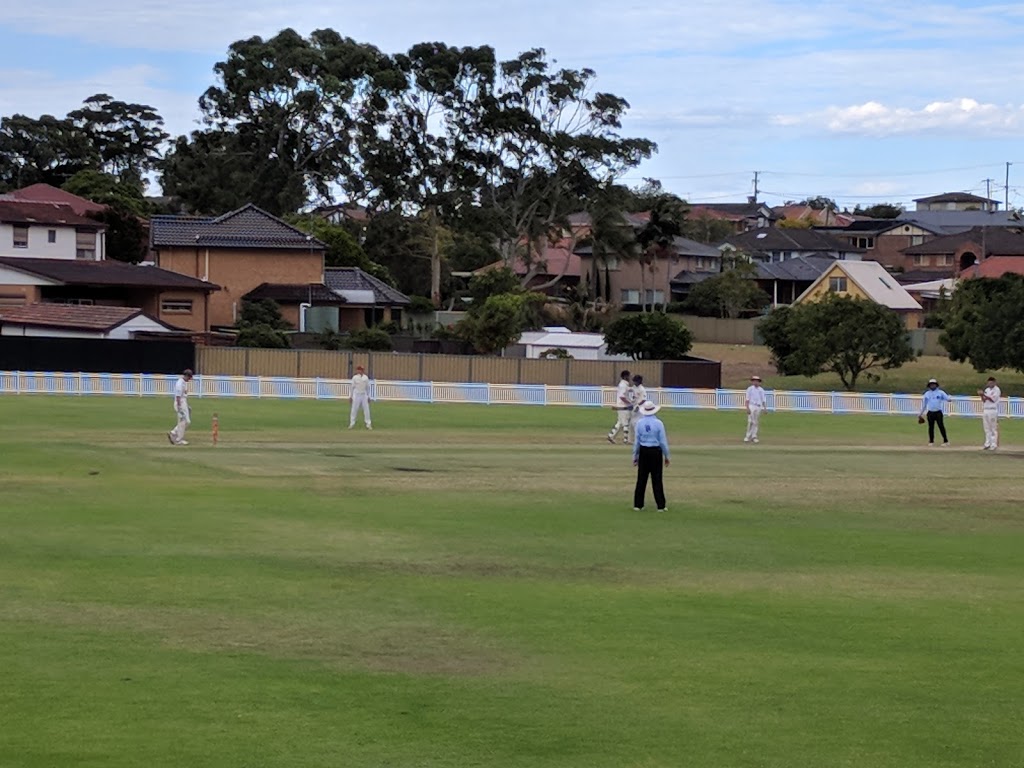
x=864 y=102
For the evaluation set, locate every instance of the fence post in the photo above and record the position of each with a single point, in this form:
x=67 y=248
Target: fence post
x=246 y=363
x=469 y=373
x=519 y=371
x=568 y=378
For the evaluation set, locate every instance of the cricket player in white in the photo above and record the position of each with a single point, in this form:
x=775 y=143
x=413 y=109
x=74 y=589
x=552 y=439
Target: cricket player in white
x=639 y=398
x=181 y=409
x=990 y=397
x=756 y=403
x=360 y=397
x=623 y=407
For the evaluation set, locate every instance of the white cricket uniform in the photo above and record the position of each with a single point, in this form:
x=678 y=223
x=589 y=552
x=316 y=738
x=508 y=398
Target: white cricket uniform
x=624 y=399
x=360 y=399
x=639 y=397
x=990 y=416
x=182 y=410
x=756 y=403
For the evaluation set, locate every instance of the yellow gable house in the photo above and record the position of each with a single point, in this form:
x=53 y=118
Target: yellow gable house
x=866 y=280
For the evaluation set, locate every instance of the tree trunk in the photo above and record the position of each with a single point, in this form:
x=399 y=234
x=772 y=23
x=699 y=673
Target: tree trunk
x=435 y=262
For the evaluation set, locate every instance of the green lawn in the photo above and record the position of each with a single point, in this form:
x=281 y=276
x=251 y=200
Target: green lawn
x=469 y=586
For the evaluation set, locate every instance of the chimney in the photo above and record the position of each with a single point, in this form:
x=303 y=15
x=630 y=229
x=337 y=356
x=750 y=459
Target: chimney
x=751 y=199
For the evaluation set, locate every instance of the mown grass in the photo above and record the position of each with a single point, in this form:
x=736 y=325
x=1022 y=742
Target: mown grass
x=740 y=362
x=468 y=586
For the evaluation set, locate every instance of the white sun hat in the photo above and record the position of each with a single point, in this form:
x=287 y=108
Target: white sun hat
x=649 y=409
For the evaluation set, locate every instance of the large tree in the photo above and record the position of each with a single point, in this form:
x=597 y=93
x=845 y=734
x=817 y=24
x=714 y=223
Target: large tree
x=728 y=294
x=648 y=336
x=280 y=122
x=843 y=335
x=44 y=150
x=127 y=138
x=984 y=324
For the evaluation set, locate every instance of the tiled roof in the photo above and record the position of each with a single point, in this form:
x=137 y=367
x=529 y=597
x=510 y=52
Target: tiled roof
x=954 y=197
x=951 y=222
x=996 y=266
x=104 y=273
x=776 y=239
x=733 y=211
x=921 y=275
x=314 y=293
x=22 y=212
x=354 y=279
x=91 y=318
x=686 y=277
x=44 y=193
x=873 y=226
x=820 y=216
x=996 y=241
x=249 y=227
x=801 y=269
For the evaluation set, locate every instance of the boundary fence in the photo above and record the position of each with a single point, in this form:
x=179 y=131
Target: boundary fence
x=284 y=388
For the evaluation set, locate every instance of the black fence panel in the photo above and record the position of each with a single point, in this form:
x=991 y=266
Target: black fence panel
x=21 y=353
x=691 y=373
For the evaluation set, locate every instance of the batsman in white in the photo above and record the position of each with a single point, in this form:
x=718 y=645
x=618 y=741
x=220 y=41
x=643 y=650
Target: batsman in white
x=360 y=397
x=623 y=408
x=990 y=397
x=181 y=409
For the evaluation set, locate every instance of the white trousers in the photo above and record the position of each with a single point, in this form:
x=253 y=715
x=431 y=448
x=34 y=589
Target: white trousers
x=622 y=421
x=360 y=401
x=753 y=422
x=184 y=421
x=990 y=421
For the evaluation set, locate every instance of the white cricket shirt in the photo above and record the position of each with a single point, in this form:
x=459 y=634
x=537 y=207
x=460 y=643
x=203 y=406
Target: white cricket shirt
x=360 y=384
x=181 y=392
x=640 y=395
x=994 y=393
x=624 y=399
x=755 y=396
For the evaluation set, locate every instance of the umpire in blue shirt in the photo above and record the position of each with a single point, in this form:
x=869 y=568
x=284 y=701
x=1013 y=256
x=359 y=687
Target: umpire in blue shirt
x=931 y=404
x=650 y=455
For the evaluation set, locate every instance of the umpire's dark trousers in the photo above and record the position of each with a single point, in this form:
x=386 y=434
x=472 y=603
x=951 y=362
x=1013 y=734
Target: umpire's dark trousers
x=650 y=464
x=935 y=417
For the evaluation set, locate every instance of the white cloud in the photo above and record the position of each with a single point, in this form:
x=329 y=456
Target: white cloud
x=964 y=117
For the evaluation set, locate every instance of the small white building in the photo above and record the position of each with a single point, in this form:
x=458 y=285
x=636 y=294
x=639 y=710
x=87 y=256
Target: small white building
x=71 y=321
x=581 y=346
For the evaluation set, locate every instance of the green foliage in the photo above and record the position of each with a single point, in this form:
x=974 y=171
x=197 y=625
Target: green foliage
x=985 y=325
x=500 y=320
x=731 y=294
x=804 y=222
x=107 y=189
x=880 y=211
x=127 y=238
x=343 y=250
x=420 y=305
x=401 y=244
x=260 y=325
x=371 y=339
x=820 y=203
x=492 y=283
x=330 y=340
x=556 y=353
x=127 y=137
x=843 y=335
x=648 y=336
x=705 y=228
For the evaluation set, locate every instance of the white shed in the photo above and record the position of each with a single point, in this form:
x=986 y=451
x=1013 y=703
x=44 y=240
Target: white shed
x=582 y=346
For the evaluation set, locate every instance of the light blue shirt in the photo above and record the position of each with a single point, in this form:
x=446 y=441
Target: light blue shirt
x=650 y=433
x=933 y=400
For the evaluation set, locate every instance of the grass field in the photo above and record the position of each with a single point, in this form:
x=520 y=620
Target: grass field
x=469 y=586
x=739 y=362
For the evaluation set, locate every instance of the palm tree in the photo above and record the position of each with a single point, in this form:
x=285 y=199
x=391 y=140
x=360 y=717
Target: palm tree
x=656 y=239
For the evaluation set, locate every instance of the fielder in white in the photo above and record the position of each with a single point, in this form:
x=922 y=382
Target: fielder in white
x=756 y=403
x=181 y=409
x=360 y=397
x=623 y=408
x=990 y=397
x=639 y=398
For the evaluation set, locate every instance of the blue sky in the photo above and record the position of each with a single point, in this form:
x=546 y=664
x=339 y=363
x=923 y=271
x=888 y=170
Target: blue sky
x=863 y=102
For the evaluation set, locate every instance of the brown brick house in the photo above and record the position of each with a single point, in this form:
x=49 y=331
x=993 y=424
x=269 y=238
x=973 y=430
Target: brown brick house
x=952 y=254
x=884 y=240
x=239 y=251
x=171 y=298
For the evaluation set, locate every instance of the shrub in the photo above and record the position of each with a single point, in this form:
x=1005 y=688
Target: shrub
x=370 y=339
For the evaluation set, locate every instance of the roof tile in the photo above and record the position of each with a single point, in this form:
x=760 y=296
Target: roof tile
x=248 y=227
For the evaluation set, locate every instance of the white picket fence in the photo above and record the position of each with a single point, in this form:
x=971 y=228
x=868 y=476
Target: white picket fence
x=282 y=388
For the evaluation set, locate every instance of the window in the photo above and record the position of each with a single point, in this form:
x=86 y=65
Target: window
x=837 y=285
x=11 y=300
x=176 y=306
x=921 y=261
x=20 y=236
x=611 y=262
x=655 y=297
x=866 y=242
x=85 y=246
x=51 y=235
x=917 y=239
x=72 y=302
x=630 y=297
x=945 y=261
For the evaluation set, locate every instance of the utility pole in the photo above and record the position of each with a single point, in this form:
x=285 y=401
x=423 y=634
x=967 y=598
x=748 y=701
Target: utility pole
x=1006 y=189
x=757 y=175
x=988 y=190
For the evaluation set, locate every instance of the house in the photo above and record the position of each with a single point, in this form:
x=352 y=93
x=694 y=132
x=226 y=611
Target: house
x=743 y=216
x=785 y=281
x=959 y=252
x=883 y=240
x=239 y=251
x=956 y=201
x=48 y=231
x=775 y=245
x=995 y=266
x=45 y=193
x=71 y=321
x=866 y=280
x=953 y=222
x=168 y=297
x=367 y=300
x=932 y=293
x=818 y=217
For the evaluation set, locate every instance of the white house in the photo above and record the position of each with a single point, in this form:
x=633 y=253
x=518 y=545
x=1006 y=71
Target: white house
x=72 y=321
x=48 y=231
x=581 y=346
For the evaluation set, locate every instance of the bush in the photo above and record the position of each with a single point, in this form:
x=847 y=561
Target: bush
x=556 y=353
x=370 y=339
x=390 y=327
x=420 y=305
x=935 y=320
x=648 y=336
